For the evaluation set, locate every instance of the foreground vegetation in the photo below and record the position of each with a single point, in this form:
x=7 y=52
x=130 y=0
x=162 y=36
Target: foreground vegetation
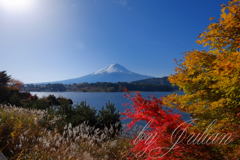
x=54 y=128
x=33 y=134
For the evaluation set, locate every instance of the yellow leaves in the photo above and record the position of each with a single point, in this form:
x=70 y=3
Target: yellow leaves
x=176 y=69
x=223 y=16
x=205 y=77
x=215 y=52
x=198 y=42
x=224 y=32
x=223 y=9
x=12 y=134
x=205 y=45
x=232 y=9
x=211 y=80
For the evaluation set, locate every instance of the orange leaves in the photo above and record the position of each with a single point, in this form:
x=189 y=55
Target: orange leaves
x=198 y=42
x=211 y=18
x=15 y=84
x=223 y=9
x=211 y=80
x=224 y=33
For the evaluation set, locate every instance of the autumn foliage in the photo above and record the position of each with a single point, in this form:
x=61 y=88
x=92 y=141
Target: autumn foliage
x=211 y=79
x=15 y=84
x=211 y=82
x=166 y=135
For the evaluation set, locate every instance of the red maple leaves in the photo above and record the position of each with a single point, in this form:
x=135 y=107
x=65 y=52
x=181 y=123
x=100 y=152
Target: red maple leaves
x=165 y=136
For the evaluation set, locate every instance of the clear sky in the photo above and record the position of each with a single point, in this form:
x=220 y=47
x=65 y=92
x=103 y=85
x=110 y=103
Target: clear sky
x=50 y=40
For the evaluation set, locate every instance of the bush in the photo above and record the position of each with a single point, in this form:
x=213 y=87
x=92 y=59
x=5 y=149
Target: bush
x=107 y=117
x=15 y=99
x=83 y=112
x=40 y=104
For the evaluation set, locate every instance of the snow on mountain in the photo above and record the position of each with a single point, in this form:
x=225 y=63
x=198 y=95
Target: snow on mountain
x=113 y=68
x=113 y=73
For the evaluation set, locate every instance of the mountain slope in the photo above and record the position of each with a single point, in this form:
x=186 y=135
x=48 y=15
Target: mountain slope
x=162 y=81
x=113 y=68
x=113 y=73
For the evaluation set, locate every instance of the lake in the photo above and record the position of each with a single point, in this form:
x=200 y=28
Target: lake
x=98 y=99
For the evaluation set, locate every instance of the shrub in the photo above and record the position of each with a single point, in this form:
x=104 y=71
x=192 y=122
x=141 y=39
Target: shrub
x=107 y=117
x=15 y=99
x=83 y=112
x=40 y=104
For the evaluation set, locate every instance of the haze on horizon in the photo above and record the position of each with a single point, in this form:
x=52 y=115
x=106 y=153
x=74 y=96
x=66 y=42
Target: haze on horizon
x=49 y=40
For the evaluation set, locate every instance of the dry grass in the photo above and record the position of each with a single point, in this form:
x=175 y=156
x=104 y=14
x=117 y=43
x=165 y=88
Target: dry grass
x=32 y=134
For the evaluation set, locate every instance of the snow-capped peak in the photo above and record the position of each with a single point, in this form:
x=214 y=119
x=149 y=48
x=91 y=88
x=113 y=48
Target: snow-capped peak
x=113 y=68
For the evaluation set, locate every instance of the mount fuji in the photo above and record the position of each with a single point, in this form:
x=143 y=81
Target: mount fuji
x=113 y=73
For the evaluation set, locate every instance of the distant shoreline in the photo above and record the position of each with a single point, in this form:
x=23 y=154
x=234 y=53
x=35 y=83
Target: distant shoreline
x=99 y=92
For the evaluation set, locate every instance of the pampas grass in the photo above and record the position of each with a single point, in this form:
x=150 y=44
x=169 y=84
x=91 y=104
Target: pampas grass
x=33 y=134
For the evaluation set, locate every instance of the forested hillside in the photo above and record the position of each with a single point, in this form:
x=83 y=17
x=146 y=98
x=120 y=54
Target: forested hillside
x=157 y=81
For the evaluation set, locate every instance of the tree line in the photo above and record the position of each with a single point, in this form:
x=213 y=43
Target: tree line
x=99 y=87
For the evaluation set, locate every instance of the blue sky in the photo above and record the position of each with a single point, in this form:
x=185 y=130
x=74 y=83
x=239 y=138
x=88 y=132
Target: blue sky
x=50 y=40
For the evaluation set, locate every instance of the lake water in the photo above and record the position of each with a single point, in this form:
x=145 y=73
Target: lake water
x=98 y=99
